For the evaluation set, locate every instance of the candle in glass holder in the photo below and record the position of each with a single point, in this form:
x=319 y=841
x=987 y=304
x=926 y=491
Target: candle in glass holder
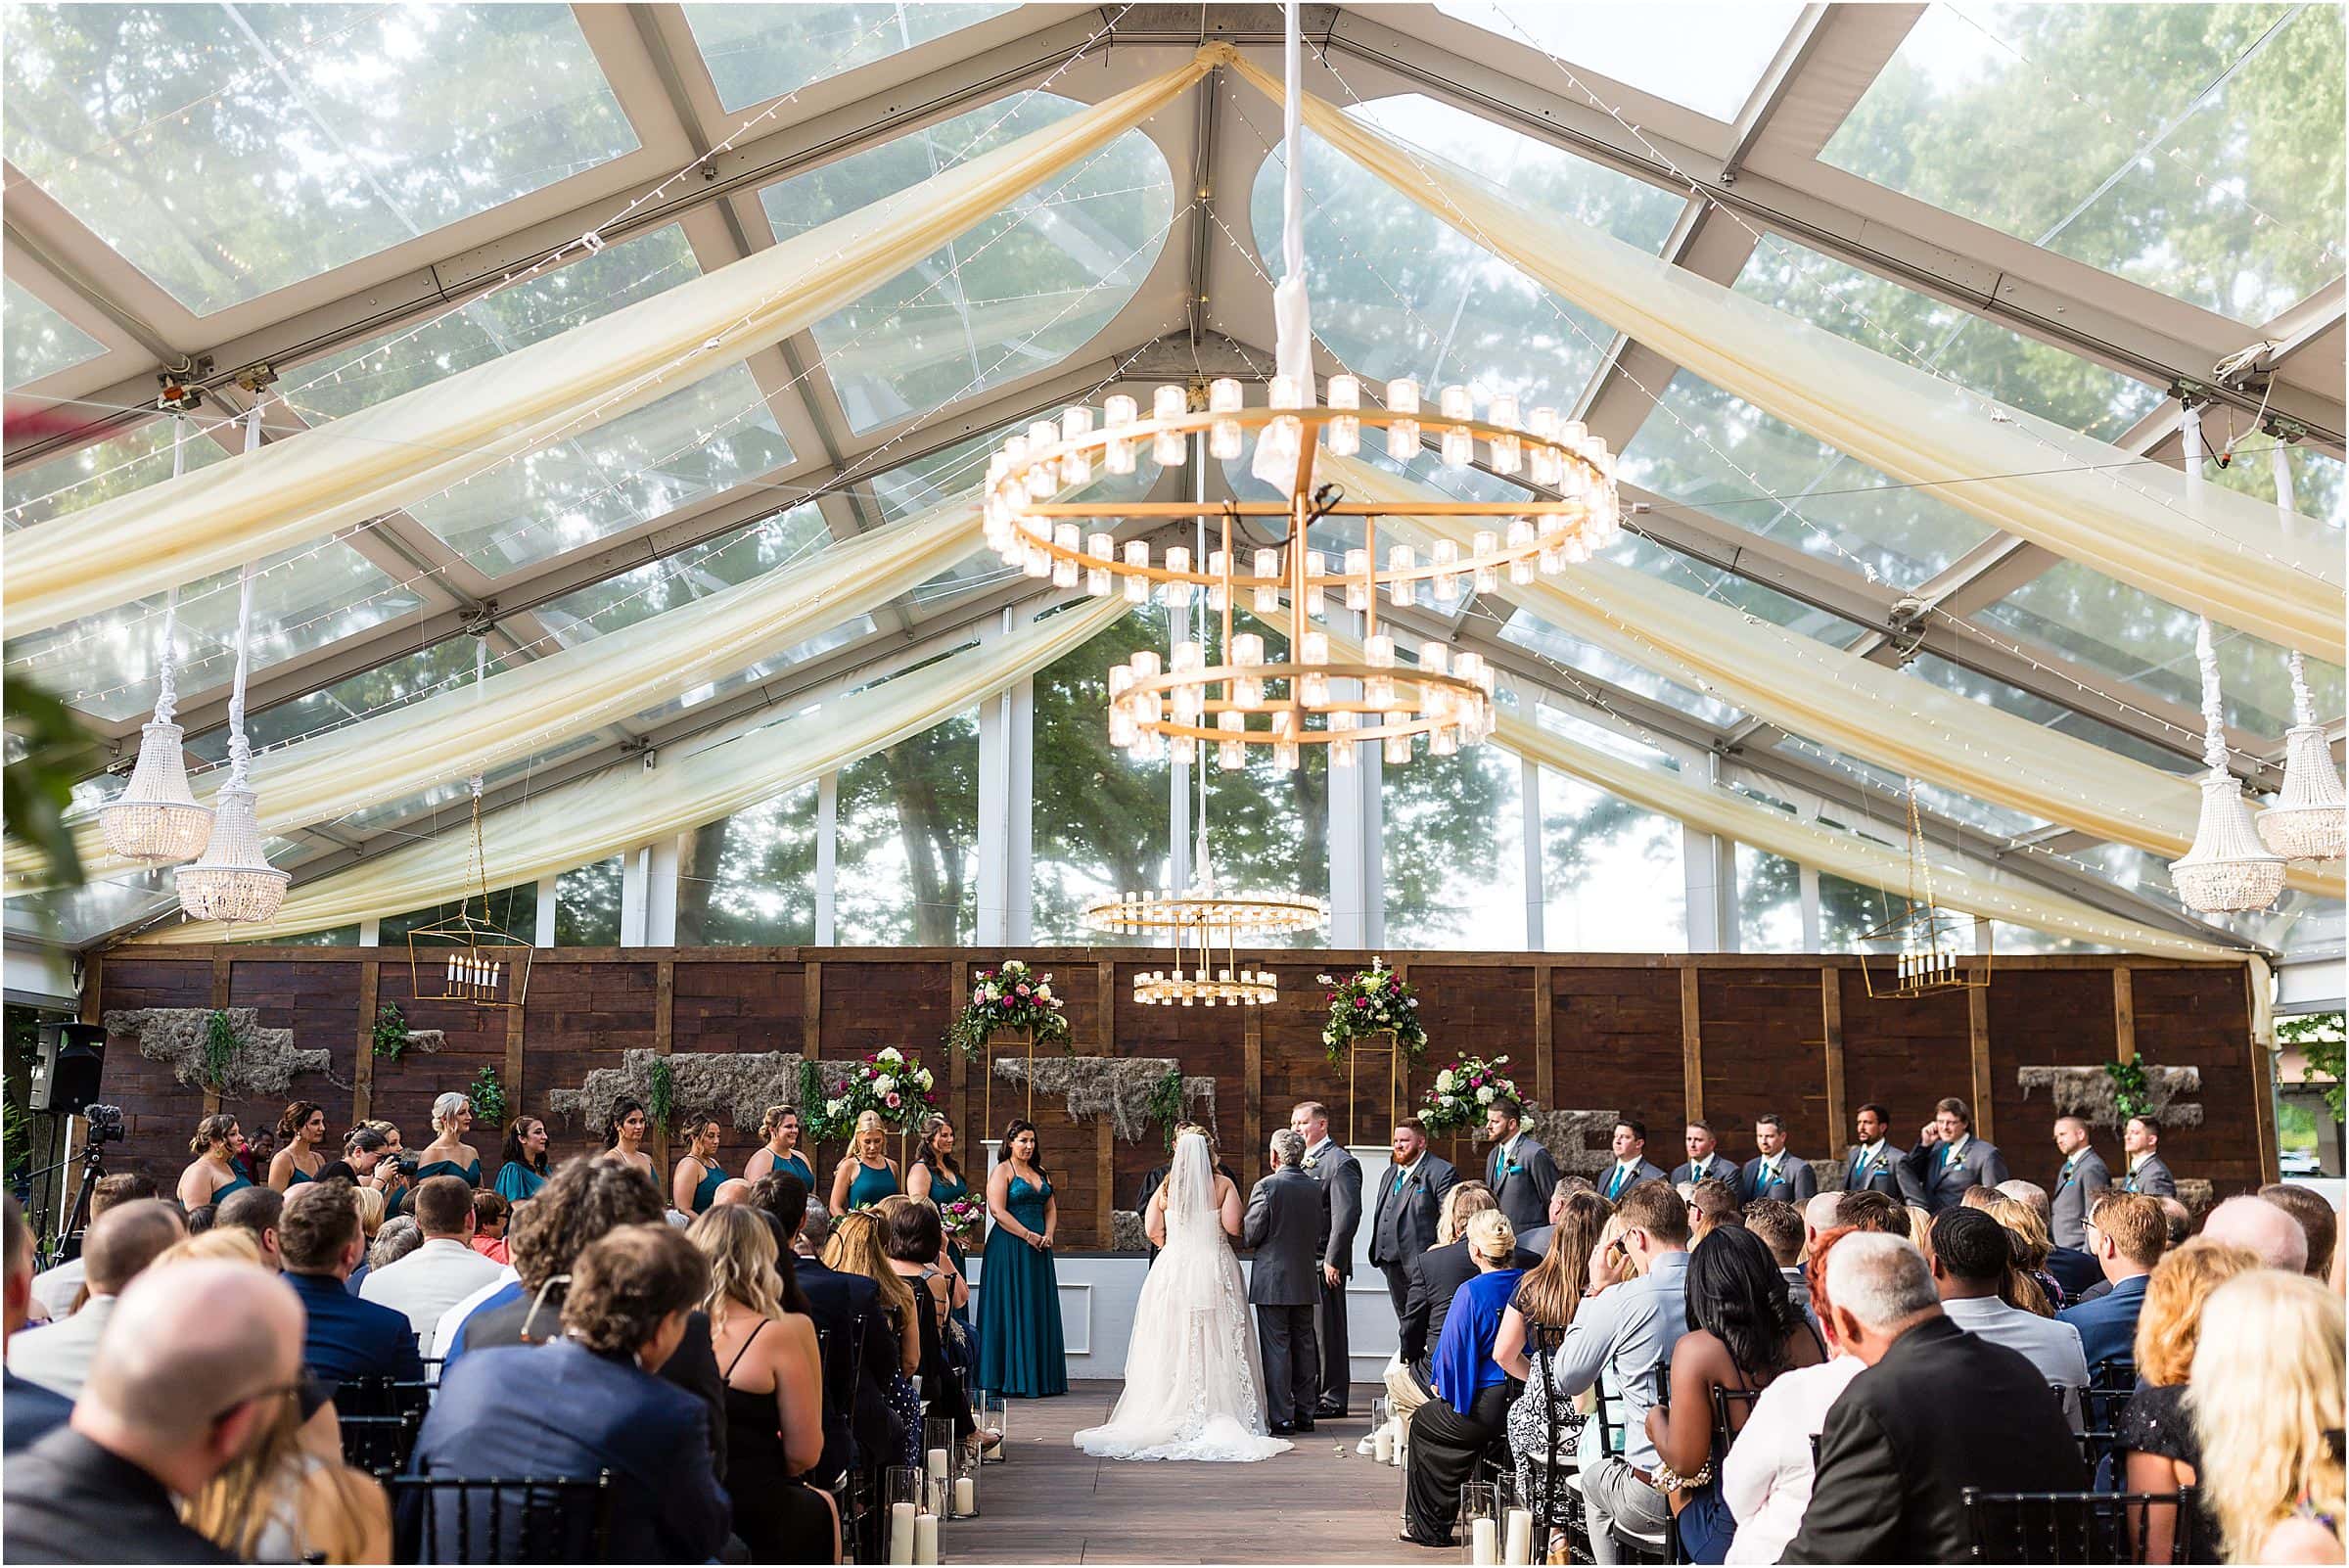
x=900 y=1533
x=966 y=1497
x=937 y=1460
x=1518 y=1546
x=1484 y=1541
x=1383 y=1446
x=925 y=1539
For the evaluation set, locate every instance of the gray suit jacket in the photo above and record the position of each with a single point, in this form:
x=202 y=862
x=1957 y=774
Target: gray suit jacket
x=1717 y=1163
x=1522 y=1187
x=2153 y=1177
x=1933 y=1184
x=1403 y=1223
x=1283 y=1229
x=1797 y=1182
x=1339 y=1176
x=1882 y=1172
x=1643 y=1171
x=2074 y=1192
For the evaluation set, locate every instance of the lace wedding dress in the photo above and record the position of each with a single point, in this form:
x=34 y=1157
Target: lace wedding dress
x=1195 y=1380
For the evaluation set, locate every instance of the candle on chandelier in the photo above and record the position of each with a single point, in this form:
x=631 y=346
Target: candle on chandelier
x=1345 y=430
x=1168 y=446
x=1460 y=443
x=1445 y=554
x=1341 y=750
x=1178 y=560
x=1137 y=561
x=1101 y=548
x=1219 y=572
x=1402 y=425
x=1268 y=591
x=1401 y=561
x=1315 y=567
x=1224 y=439
x=1119 y=413
x=1506 y=451
x=1357 y=579
x=1485 y=545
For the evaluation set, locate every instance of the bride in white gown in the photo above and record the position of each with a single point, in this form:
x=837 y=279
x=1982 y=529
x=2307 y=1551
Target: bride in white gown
x=1194 y=1379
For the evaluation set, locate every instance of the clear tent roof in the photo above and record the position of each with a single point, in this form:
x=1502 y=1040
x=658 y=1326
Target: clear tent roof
x=361 y=199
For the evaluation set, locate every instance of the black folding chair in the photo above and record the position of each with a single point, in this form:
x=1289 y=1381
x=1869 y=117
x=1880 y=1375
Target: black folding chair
x=2076 y=1527
x=469 y=1519
x=2110 y=1383
x=380 y=1418
x=1662 y=1547
x=1556 y=1502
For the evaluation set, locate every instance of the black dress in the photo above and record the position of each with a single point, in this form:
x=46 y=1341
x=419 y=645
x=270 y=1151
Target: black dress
x=778 y=1518
x=2156 y=1421
x=943 y=1392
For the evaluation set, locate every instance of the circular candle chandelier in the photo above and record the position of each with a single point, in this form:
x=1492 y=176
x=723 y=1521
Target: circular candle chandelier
x=1196 y=923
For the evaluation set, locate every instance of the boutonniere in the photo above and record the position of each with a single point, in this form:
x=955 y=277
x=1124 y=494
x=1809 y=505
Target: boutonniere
x=1312 y=1160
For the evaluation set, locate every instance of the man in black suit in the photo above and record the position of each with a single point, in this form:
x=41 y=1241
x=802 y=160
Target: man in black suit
x=1936 y=1411
x=1705 y=1158
x=1283 y=1229
x=1410 y=1197
x=2141 y=1139
x=1871 y=1163
x=1339 y=1174
x=1777 y=1172
x=846 y=1309
x=1519 y=1170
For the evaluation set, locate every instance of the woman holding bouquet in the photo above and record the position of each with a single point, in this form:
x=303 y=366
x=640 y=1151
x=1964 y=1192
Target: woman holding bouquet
x=1020 y=1351
x=867 y=1174
x=937 y=1176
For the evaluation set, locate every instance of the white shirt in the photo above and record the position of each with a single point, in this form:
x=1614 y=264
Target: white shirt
x=454 y=1318
x=59 y=1357
x=1315 y=1153
x=2048 y=1343
x=427 y=1283
x=1767 y=1478
x=55 y=1288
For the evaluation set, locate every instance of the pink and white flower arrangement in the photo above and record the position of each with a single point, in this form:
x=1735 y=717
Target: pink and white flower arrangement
x=1461 y=1093
x=1011 y=996
x=1366 y=1003
x=890 y=1082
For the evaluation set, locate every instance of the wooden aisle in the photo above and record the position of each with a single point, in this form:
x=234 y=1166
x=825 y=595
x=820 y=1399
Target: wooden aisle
x=1319 y=1502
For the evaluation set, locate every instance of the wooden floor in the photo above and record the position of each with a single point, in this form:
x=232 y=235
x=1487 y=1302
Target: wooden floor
x=1049 y=1503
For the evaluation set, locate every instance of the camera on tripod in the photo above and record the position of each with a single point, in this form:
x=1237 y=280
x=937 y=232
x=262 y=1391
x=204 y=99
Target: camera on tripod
x=105 y=1123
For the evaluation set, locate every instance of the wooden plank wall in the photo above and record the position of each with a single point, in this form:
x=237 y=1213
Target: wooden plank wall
x=1644 y=1034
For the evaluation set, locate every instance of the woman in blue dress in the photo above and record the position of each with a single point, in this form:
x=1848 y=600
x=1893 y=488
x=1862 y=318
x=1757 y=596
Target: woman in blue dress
x=299 y=1132
x=213 y=1174
x=937 y=1175
x=521 y=1163
x=1020 y=1350
x=698 y=1176
x=867 y=1174
x=449 y=1154
x=779 y=1148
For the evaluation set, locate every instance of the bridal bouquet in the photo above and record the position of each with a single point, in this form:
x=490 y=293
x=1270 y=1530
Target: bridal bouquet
x=963 y=1216
x=1014 y=997
x=1378 y=999
x=888 y=1082
x=1463 y=1091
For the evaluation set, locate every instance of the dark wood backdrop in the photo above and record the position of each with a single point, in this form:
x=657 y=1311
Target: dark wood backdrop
x=1728 y=1036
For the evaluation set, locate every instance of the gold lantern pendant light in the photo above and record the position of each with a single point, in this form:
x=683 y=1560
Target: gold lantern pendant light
x=1927 y=948
x=464 y=959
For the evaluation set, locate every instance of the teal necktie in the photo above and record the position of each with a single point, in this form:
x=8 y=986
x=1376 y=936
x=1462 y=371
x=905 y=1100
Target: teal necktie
x=1614 y=1183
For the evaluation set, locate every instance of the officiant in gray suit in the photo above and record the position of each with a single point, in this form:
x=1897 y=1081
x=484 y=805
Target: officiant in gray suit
x=1339 y=1174
x=1283 y=1229
x=1519 y=1170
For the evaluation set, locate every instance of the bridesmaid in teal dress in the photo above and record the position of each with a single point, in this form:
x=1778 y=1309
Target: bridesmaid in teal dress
x=299 y=1132
x=867 y=1174
x=213 y=1174
x=521 y=1163
x=779 y=1150
x=449 y=1154
x=698 y=1176
x=1020 y=1350
x=937 y=1175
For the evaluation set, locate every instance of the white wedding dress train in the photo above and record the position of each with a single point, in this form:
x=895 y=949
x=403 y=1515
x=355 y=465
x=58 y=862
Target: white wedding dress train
x=1194 y=1379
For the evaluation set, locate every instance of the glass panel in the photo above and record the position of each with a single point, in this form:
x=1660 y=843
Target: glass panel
x=2006 y=940
x=792 y=538
x=1397 y=291
x=338 y=937
x=1769 y=903
x=1716 y=56
x=442 y=666
x=39 y=341
x=1847 y=909
x=1888 y=815
x=1572 y=655
x=1269 y=830
x=1920 y=331
x=758 y=52
x=2317 y=489
x=104 y=469
x=1017 y=292
x=2192 y=147
x=513 y=911
x=75 y=917
x=701 y=439
x=1453 y=835
x=907 y=866
x=587 y=906
x=445 y=805
x=1099 y=823
x=750 y=878
x=1611 y=873
x=226 y=151
x=1693 y=446
x=2013 y=700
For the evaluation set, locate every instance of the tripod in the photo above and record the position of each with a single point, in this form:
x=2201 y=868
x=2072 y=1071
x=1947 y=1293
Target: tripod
x=77 y=1219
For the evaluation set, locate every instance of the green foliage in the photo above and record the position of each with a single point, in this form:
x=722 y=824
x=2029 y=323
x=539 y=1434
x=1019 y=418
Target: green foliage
x=812 y=1100
x=660 y=1094
x=16 y=1139
x=390 y=1031
x=2130 y=1095
x=489 y=1097
x=2321 y=1038
x=1377 y=1000
x=220 y=1049
x=1166 y=1103
x=1011 y=997
x=48 y=751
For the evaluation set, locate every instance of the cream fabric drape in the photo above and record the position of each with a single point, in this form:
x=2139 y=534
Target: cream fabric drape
x=382 y=458
x=523 y=710
x=584 y=821
x=2234 y=558
x=1827 y=695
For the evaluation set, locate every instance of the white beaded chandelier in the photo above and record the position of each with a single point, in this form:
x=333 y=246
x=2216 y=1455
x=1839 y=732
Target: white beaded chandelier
x=2310 y=819
x=2228 y=870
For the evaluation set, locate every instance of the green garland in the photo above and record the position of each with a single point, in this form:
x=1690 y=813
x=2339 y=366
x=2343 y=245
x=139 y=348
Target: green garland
x=489 y=1097
x=390 y=1031
x=1166 y=1103
x=811 y=1096
x=2132 y=1095
x=220 y=1049
x=661 y=1096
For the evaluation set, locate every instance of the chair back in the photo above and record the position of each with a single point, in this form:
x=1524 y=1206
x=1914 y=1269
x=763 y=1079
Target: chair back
x=380 y=1418
x=1731 y=1408
x=2075 y=1527
x=2110 y=1383
x=477 y=1519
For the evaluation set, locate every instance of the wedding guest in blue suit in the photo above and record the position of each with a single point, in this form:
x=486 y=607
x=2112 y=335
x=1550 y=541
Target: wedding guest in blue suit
x=321 y=1241
x=2128 y=1234
x=1949 y=1159
x=594 y=1404
x=28 y=1411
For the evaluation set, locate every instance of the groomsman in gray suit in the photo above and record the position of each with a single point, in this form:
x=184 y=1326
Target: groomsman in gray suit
x=2141 y=1139
x=1519 y=1170
x=1283 y=1229
x=2078 y=1184
x=1410 y=1199
x=1632 y=1166
x=1872 y=1165
x=1777 y=1173
x=1949 y=1159
x=1705 y=1158
x=1339 y=1174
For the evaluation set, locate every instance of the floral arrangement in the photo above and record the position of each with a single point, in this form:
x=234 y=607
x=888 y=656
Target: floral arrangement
x=1463 y=1091
x=1014 y=997
x=963 y=1216
x=1378 y=999
x=888 y=1082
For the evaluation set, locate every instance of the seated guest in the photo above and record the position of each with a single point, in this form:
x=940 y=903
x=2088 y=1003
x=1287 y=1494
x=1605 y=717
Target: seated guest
x=915 y=1240
x=58 y=1289
x=1819 y=1218
x=205 y=1357
x=370 y=1225
x=844 y=1306
x=856 y=1248
x=1743 y=1332
x=2155 y=1433
x=522 y=1161
x=394 y=1240
x=2316 y=1221
x=2128 y=1234
x=116 y=1250
x=1937 y=1410
x=591 y=1401
x=1537 y=1241
x=732 y=1191
x=217 y=1245
x=2269 y=1230
x=1779 y=1225
x=1436 y=1277
x=255 y=1210
x=694 y=1183
x=345 y=1337
x=2032 y=1289
x=201 y=1219
x=2181 y=1221
x=442 y=1269
x=1527 y=1349
x=2267 y=1407
x=284 y=1500
x=585 y=1198
x=1871 y=1210
x=215 y=1172
x=28 y=1411
x=1711 y=1204
x=1947 y=1160
x=1766 y=1478
x=1974 y=1264
x=765 y=1344
x=1470 y=1408
x=2073 y=1268
x=491 y=1213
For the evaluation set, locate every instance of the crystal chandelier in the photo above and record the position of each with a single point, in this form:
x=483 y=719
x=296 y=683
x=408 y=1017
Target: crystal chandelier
x=2228 y=870
x=155 y=820
x=235 y=881
x=1927 y=948
x=2307 y=821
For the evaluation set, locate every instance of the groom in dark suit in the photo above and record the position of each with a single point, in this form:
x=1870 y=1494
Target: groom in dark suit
x=1411 y=1198
x=1339 y=1174
x=1283 y=1229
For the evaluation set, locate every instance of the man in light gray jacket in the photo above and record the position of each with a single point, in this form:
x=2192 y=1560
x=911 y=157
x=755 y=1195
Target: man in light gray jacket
x=1283 y=1229
x=1339 y=1176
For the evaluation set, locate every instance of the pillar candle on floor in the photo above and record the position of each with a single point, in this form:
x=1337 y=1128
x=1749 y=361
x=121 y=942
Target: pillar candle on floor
x=938 y=1464
x=966 y=1497
x=900 y=1533
x=1481 y=1540
x=1519 y=1545
x=925 y=1539
x=1383 y=1447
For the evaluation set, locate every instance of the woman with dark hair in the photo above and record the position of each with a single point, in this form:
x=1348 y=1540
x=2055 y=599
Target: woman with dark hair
x=1532 y=1330
x=213 y=1175
x=1018 y=1301
x=913 y=1238
x=937 y=1176
x=624 y=1138
x=779 y=1148
x=698 y=1176
x=299 y=1132
x=1743 y=1332
x=521 y=1163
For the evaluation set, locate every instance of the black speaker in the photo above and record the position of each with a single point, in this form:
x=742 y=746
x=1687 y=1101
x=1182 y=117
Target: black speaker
x=67 y=1065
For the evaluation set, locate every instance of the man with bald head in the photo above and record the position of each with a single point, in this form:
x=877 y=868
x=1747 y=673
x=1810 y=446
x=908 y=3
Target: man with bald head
x=194 y=1369
x=121 y=1243
x=2274 y=1236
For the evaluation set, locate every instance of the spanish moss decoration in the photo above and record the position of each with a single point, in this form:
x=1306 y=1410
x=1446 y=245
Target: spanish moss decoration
x=1125 y=1088
x=258 y=1062
x=2097 y=1096
x=738 y=1086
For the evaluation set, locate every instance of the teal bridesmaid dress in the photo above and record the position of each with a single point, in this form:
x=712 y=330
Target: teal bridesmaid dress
x=871 y=1185
x=517 y=1182
x=471 y=1171
x=1019 y=1350
x=297 y=1176
x=946 y=1189
x=705 y=1189
x=237 y=1183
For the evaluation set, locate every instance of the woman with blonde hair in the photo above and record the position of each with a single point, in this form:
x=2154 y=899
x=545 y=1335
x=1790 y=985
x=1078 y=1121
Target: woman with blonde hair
x=222 y=1244
x=858 y=1247
x=2028 y=1285
x=775 y=1388
x=448 y=1154
x=1470 y=1412
x=2266 y=1399
x=867 y=1174
x=373 y=1212
x=1466 y=1201
x=779 y=1148
x=2156 y=1436
x=283 y=1500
